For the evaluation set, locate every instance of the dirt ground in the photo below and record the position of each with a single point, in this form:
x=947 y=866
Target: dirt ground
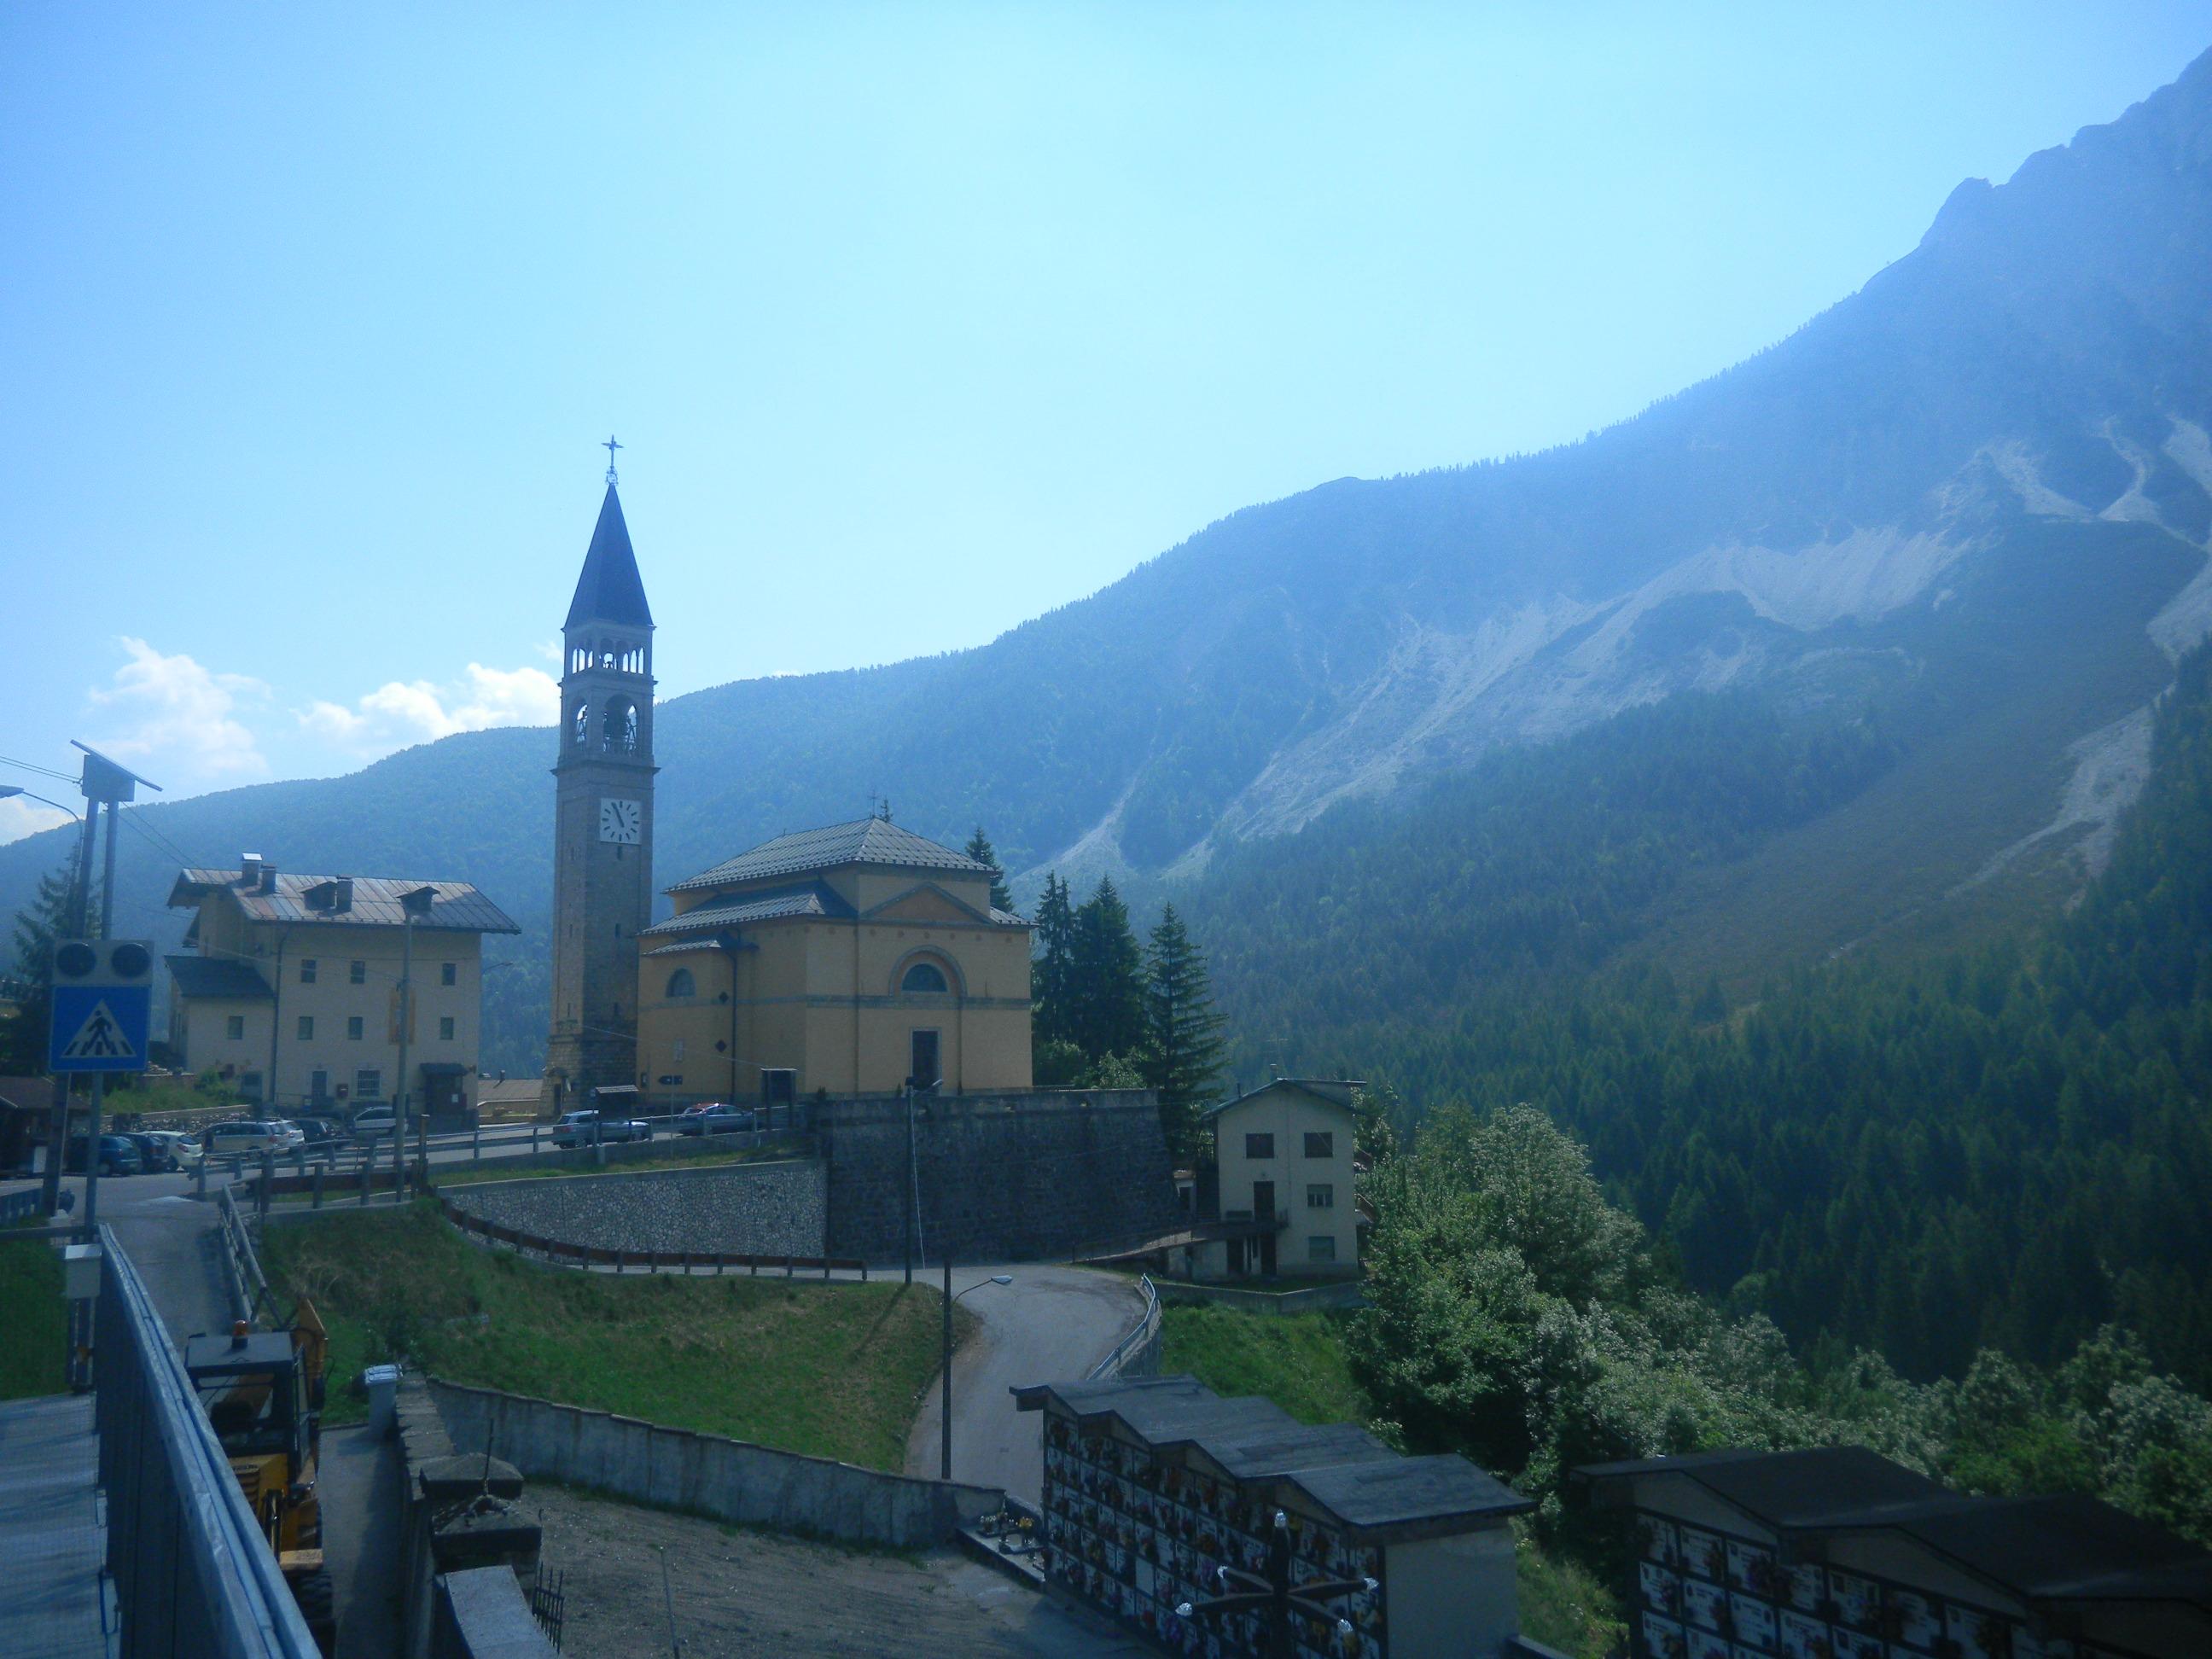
x=743 y=1593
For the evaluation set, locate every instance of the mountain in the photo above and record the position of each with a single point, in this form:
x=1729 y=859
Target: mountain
x=1975 y=494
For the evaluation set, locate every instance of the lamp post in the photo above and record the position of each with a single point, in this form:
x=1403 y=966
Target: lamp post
x=1274 y=1597
x=945 y=1436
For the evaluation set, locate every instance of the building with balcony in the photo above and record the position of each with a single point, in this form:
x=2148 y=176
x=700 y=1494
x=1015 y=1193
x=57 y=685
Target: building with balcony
x=1279 y=1200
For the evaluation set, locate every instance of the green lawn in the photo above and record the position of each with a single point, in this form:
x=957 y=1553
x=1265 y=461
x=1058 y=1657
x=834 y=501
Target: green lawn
x=34 y=1319
x=1298 y=1363
x=832 y=1370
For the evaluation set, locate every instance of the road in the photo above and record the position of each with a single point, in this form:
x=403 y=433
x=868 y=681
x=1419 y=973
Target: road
x=1051 y=1325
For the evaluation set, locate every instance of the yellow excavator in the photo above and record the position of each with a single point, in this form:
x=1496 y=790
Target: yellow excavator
x=262 y=1393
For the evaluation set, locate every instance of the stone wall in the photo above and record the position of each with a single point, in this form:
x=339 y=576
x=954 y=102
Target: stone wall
x=1006 y=1177
x=735 y=1209
x=708 y=1474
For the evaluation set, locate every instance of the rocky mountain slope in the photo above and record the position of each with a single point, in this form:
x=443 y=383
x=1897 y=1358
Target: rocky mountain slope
x=1984 y=479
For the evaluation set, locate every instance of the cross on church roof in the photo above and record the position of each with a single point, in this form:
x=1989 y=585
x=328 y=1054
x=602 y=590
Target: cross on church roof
x=610 y=445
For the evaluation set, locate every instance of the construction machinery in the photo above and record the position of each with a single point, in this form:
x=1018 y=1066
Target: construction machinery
x=262 y=1393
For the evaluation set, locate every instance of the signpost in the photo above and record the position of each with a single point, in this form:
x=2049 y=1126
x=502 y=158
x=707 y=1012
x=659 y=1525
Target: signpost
x=103 y=1005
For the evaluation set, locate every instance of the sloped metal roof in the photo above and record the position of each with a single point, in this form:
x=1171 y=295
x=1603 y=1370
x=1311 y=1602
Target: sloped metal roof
x=458 y=907
x=865 y=841
x=811 y=900
x=218 y=979
x=609 y=589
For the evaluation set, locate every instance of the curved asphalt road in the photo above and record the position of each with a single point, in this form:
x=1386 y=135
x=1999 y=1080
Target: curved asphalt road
x=1051 y=1325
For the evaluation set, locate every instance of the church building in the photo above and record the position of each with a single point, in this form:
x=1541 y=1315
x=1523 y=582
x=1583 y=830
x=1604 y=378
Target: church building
x=848 y=959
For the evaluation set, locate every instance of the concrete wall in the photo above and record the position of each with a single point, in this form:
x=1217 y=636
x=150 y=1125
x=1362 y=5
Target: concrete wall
x=735 y=1209
x=708 y=1474
x=1454 y=1597
x=1003 y=1177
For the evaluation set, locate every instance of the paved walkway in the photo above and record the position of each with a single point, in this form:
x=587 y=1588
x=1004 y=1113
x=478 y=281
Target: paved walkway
x=53 y=1541
x=1051 y=1325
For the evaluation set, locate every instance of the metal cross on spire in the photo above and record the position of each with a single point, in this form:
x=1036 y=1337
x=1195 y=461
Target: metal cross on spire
x=610 y=445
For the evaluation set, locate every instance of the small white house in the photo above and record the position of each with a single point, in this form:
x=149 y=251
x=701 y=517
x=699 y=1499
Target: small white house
x=1283 y=1170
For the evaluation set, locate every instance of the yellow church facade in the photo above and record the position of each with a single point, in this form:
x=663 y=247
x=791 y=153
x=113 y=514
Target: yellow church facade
x=846 y=959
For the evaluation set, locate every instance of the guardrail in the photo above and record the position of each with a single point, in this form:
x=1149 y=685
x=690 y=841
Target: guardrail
x=249 y=1286
x=1137 y=1354
x=562 y=1254
x=22 y=1207
x=192 y=1571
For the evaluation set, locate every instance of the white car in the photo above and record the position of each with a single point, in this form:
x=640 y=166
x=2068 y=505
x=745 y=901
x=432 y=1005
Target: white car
x=249 y=1137
x=373 y=1122
x=184 y=1148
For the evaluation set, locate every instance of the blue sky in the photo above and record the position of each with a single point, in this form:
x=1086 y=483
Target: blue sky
x=915 y=321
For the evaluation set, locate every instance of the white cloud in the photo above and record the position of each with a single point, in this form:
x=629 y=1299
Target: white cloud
x=403 y=712
x=20 y=818
x=179 y=716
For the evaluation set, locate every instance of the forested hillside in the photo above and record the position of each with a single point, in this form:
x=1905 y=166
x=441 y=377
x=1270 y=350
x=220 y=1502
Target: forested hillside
x=2007 y=1146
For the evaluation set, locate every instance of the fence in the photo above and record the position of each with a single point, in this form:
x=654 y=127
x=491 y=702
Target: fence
x=562 y=1254
x=193 y=1572
x=1137 y=1354
x=21 y=1206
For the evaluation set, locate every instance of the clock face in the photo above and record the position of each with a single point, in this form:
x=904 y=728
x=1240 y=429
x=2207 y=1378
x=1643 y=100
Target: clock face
x=620 y=821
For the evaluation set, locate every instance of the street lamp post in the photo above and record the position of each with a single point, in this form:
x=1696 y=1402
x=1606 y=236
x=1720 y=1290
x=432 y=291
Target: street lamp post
x=945 y=1436
x=1274 y=1597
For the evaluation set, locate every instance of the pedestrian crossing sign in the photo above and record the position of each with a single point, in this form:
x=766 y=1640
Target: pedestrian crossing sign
x=103 y=1000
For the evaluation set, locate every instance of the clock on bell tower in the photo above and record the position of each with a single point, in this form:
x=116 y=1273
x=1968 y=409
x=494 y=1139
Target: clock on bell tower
x=603 y=820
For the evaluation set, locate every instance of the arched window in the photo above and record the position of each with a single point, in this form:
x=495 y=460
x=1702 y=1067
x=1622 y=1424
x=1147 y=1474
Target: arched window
x=924 y=979
x=619 y=732
x=580 y=727
x=681 y=984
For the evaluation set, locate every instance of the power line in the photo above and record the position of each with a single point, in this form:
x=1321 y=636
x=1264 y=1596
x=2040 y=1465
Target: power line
x=43 y=771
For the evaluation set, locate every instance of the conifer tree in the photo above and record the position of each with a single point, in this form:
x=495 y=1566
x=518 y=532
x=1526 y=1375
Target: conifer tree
x=1185 y=1032
x=1107 y=992
x=979 y=848
x=1053 y=1019
x=46 y=918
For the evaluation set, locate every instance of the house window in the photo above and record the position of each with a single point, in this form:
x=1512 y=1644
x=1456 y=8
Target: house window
x=924 y=979
x=234 y=1027
x=367 y=1083
x=449 y=973
x=675 y=1049
x=354 y=1028
x=445 y=1027
x=682 y=984
x=306 y=1028
x=1321 y=1196
x=357 y=973
x=1321 y=1144
x=1259 y=1146
x=1321 y=1248
x=318 y=1086
x=306 y=970
x=924 y=1055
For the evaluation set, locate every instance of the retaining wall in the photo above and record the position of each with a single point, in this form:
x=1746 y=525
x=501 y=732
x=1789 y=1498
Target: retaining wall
x=1006 y=1177
x=731 y=1209
x=709 y=1474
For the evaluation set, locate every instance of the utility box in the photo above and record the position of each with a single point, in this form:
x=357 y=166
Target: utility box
x=81 y=1271
x=382 y=1383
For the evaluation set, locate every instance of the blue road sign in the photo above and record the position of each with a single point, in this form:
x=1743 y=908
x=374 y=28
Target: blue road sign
x=100 y=1028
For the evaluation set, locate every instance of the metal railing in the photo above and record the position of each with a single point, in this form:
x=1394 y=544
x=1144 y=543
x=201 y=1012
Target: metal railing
x=1138 y=1353
x=22 y=1207
x=194 y=1573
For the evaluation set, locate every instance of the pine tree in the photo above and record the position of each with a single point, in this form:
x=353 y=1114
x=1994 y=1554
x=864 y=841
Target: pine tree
x=23 y=1038
x=1185 y=1032
x=1108 y=990
x=979 y=848
x=1053 y=1018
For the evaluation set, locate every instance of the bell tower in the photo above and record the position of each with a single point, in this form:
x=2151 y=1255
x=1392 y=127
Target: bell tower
x=603 y=819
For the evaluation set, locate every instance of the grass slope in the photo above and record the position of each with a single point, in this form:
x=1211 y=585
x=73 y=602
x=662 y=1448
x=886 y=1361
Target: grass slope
x=1299 y=1362
x=34 y=1320
x=833 y=1370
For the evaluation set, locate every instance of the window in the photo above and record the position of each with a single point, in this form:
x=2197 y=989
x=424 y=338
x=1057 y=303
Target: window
x=306 y=970
x=681 y=984
x=357 y=973
x=445 y=1027
x=675 y=1049
x=353 y=1029
x=306 y=1028
x=318 y=1086
x=449 y=973
x=925 y=979
x=1259 y=1146
x=367 y=1083
x=234 y=1027
x=1321 y=1196
x=249 y=1085
x=923 y=1056
x=1321 y=1248
x=1320 y=1145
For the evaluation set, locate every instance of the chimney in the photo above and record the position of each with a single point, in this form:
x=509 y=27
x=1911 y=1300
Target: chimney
x=249 y=874
x=268 y=877
x=342 y=894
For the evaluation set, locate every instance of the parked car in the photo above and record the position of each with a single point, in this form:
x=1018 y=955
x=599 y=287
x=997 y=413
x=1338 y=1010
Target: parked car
x=118 y=1156
x=719 y=1119
x=185 y=1151
x=318 y=1128
x=156 y=1156
x=589 y=1128
x=374 y=1122
x=249 y=1137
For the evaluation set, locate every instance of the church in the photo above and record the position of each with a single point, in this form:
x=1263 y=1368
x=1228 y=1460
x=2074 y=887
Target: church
x=839 y=961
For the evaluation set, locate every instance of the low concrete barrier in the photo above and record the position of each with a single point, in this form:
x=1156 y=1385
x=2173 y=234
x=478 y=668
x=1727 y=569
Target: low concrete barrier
x=709 y=1474
x=1315 y=1298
